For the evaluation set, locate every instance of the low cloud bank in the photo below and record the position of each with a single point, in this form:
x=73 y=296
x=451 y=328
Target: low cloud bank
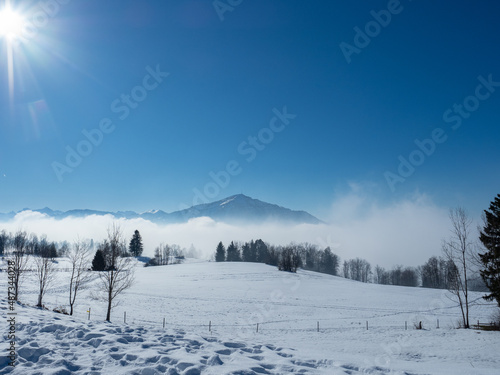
x=407 y=232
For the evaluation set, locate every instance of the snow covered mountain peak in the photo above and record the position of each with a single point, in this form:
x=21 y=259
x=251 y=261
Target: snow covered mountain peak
x=237 y=208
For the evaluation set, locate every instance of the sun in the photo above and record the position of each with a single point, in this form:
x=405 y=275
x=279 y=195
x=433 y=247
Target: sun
x=11 y=23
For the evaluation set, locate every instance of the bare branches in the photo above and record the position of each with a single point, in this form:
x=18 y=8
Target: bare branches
x=79 y=258
x=45 y=274
x=20 y=257
x=119 y=274
x=162 y=254
x=458 y=250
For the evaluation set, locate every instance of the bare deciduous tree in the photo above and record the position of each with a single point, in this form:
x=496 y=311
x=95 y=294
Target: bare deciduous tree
x=289 y=259
x=357 y=269
x=79 y=259
x=119 y=275
x=459 y=251
x=162 y=254
x=346 y=269
x=20 y=258
x=45 y=274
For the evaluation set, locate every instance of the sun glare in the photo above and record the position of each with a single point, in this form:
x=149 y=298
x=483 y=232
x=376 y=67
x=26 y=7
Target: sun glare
x=11 y=23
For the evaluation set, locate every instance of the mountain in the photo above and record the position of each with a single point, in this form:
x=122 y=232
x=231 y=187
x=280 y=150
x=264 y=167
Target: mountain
x=240 y=208
x=235 y=209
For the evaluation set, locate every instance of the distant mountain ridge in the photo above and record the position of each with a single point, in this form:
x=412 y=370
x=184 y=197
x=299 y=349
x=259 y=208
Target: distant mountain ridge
x=234 y=209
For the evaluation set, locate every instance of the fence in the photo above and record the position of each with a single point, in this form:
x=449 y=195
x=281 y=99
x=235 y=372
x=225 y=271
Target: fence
x=55 y=270
x=487 y=326
x=311 y=325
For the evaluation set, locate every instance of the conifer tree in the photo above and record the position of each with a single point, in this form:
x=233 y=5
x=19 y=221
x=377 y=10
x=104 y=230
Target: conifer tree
x=490 y=237
x=135 y=247
x=220 y=253
x=233 y=253
x=261 y=252
x=98 y=263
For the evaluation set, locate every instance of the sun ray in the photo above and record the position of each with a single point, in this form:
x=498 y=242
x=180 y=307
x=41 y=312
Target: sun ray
x=10 y=73
x=11 y=27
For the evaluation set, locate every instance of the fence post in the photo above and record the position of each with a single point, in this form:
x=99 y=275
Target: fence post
x=318 y=326
x=406 y=325
x=367 y=325
x=124 y=317
x=257 y=327
x=89 y=313
x=210 y=326
x=163 y=322
x=438 y=323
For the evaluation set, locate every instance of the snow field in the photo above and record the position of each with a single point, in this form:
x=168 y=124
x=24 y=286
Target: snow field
x=234 y=297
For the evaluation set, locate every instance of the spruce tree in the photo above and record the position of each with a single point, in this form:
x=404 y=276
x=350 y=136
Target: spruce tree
x=245 y=252
x=327 y=264
x=490 y=237
x=220 y=253
x=233 y=253
x=261 y=252
x=135 y=247
x=98 y=263
x=249 y=251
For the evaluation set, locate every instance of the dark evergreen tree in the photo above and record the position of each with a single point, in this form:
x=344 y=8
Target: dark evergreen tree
x=220 y=253
x=233 y=253
x=135 y=247
x=98 y=263
x=261 y=252
x=246 y=252
x=250 y=252
x=50 y=251
x=105 y=249
x=490 y=237
x=329 y=262
x=4 y=241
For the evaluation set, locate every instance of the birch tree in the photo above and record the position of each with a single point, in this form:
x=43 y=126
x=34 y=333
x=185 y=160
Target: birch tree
x=119 y=274
x=458 y=250
x=79 y=259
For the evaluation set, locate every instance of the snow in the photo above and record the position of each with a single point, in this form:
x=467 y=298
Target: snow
x=227 y=201
x=150 y=212
x=232 y=298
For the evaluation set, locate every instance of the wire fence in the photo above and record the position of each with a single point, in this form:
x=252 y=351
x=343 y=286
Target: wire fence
x=284 y=326
x=54 y=270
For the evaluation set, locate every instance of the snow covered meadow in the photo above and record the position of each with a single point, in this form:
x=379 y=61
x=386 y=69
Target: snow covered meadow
x=211 y=312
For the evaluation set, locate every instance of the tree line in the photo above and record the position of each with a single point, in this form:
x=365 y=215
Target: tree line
x=111 y=263
x=286 y=258
x=32 y=245
x=311 y=257
x=465 y=265
x=28 y=253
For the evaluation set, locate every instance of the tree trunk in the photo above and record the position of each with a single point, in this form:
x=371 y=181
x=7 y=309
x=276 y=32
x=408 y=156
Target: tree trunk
x=108 y=314
x=110 y=303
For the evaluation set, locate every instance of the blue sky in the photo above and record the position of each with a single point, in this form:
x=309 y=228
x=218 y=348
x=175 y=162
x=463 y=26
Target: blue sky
x=229 y=72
